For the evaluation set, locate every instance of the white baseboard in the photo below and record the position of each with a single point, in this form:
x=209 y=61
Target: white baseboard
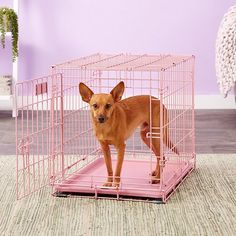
x=6 y=102
x=214 y=102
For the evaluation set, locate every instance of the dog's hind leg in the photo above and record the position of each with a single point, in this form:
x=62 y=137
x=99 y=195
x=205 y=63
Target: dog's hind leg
x=155 y=147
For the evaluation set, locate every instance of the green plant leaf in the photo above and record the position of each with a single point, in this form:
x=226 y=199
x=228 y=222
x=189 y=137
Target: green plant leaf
x=9 y=22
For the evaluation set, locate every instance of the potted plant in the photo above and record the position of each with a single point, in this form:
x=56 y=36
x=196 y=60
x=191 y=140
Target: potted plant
x=9 y=23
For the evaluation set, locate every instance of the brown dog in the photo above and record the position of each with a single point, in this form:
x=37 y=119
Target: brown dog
x=114 y=121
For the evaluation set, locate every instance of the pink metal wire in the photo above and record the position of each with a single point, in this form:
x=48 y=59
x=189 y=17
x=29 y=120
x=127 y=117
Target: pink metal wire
x=55 y=144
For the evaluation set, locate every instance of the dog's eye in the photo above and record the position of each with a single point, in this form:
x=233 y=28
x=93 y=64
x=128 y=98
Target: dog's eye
x=107 y=106
x=95 y=106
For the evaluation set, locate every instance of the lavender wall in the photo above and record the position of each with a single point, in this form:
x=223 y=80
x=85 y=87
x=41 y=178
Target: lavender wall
x=57 y=30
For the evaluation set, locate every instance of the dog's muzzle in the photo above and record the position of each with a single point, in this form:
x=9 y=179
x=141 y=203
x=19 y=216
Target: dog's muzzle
x=101 y=119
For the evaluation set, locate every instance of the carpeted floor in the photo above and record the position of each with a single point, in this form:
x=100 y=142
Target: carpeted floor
x=205 y=204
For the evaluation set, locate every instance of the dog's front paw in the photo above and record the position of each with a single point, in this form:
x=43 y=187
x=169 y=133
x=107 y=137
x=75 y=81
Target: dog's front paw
x=107 y=184
x=116 y=182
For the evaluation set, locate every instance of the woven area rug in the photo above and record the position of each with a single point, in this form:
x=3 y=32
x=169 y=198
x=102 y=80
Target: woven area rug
x=205 y=204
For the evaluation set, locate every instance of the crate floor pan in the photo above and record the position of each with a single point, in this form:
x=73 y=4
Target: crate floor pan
x=135 y=181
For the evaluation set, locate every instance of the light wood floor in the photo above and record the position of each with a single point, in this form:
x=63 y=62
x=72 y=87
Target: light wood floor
x=215 y=132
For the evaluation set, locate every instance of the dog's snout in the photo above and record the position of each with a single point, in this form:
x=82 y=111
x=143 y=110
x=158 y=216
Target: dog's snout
x=101 y=119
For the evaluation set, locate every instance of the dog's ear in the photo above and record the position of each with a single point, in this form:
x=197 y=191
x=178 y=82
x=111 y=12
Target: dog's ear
x=85 y=92
x=118 y=91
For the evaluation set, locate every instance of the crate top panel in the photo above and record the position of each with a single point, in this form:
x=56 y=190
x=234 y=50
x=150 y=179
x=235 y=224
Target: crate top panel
x=125 y=62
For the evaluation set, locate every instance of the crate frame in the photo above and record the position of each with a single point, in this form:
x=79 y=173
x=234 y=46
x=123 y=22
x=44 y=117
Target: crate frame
x=170 y=78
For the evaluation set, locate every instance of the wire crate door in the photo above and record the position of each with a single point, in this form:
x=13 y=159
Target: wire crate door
x=39 y=133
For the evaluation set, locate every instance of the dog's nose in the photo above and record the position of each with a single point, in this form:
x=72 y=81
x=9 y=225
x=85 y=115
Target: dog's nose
x=101 y=119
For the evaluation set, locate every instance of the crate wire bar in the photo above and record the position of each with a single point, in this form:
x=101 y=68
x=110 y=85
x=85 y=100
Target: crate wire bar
x=55 y=144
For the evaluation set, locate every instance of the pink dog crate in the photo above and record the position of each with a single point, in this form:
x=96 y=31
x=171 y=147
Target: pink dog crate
x=55 y=144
